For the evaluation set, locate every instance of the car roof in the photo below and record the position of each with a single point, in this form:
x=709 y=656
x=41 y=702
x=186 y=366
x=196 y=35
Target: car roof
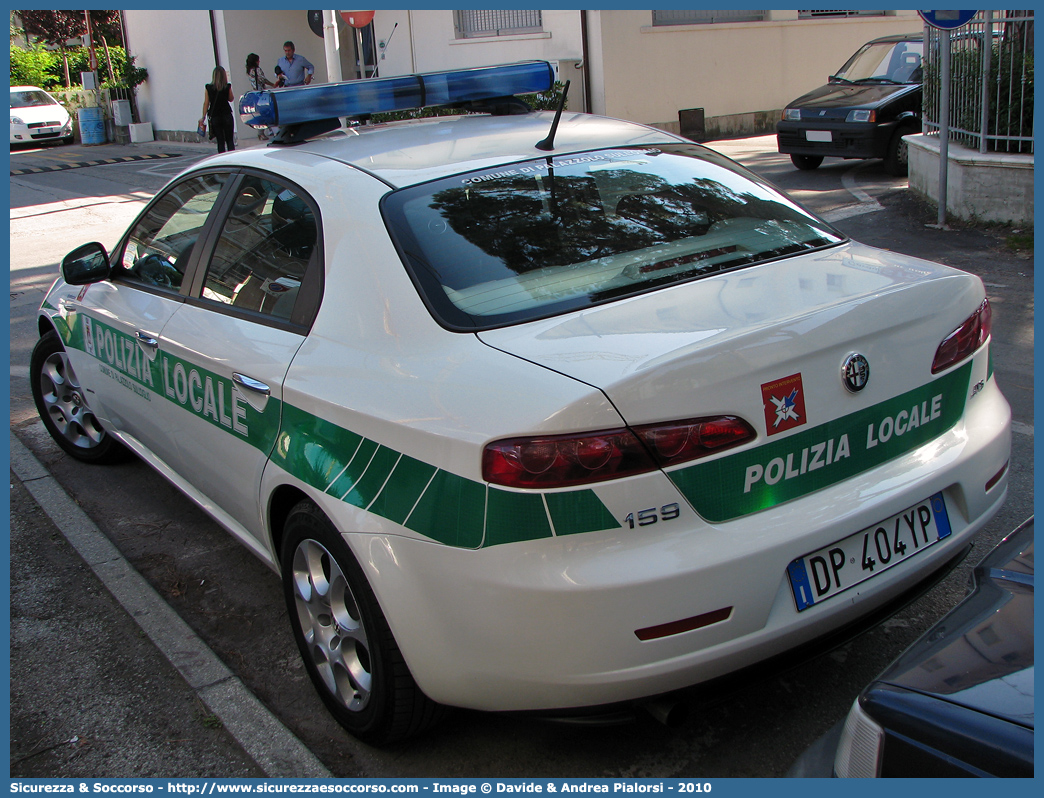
x=416 y=151
x=27 y=88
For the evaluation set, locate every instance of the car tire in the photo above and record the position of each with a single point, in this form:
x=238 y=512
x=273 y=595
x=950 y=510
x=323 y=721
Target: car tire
x=63 y=406
x=68 y=140
x=347 y=646
x=896 y=161
x=806 y=162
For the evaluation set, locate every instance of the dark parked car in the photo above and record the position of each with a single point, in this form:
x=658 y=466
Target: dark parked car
x=959 y=701
x=863 y=111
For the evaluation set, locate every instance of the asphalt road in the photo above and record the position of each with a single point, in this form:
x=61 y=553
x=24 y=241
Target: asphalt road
x=234 y=603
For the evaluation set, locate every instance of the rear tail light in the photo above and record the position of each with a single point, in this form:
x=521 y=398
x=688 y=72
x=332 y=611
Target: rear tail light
x=965 y=339
x=558 y=461
x=687 y=440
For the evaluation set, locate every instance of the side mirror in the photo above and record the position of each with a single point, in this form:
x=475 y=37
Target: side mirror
x=86 y=264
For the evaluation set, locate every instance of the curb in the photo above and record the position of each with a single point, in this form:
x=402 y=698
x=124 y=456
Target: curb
x=275 y=749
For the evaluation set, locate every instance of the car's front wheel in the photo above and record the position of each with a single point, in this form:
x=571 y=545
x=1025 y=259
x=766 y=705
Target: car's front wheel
x=348 y=648
x=806 y=162
x=63 y=406
x=896 y=160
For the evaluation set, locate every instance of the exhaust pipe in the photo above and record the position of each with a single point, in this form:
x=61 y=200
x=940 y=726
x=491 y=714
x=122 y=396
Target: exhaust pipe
x=669 y=712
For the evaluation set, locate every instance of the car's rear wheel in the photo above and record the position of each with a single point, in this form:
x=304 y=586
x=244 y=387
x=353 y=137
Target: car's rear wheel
x=806 y=162
x=345 y=641
x=896 y=160
x=63 y=406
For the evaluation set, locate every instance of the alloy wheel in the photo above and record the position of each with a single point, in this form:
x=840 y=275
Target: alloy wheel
x=66 y=405
x=332 y=625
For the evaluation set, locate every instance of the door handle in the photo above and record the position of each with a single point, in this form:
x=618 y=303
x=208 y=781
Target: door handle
x=146 y=338
x=251 y=384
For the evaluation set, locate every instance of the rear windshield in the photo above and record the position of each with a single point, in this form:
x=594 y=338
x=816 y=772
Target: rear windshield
x=556 y=234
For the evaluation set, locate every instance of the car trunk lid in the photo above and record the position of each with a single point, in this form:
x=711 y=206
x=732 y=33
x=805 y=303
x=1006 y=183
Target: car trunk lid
x=768 y=343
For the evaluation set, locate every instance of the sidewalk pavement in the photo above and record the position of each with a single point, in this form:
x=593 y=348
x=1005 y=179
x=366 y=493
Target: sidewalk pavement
x=146 y=698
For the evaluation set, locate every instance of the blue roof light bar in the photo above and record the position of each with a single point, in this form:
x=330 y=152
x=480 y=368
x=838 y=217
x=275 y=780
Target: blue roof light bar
x=353 y=98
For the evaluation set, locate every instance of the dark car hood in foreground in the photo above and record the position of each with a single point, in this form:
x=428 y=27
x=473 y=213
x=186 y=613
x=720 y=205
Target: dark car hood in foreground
x=980 y=655
x=852 y=95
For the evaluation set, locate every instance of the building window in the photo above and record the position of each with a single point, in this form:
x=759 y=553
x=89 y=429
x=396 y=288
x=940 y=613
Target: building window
x=819 y=14
x=700 y=16
x=475 y=23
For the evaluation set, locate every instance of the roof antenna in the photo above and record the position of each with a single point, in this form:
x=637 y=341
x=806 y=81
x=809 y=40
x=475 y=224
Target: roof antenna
x=548 y=144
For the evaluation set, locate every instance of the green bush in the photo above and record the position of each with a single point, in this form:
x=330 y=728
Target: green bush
x=1010 y=91
x=33 y=67
x=80 y=59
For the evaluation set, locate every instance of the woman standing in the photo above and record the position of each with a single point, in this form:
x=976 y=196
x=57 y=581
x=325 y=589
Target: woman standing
x=217 y=107
x=258 y=82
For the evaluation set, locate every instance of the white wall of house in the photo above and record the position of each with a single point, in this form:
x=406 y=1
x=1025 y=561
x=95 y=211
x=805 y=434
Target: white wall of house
x=650 y=73
x=172 y=97
x=425 y=41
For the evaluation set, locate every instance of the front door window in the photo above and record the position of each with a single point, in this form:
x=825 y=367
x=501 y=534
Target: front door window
x=160 y=244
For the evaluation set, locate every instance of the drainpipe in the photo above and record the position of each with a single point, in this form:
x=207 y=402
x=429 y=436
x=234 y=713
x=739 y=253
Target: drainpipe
x=213 y=38
x=587 y=61
x=413 y=47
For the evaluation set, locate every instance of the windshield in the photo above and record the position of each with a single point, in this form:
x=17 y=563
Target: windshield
x=25 y=99
x=884 y=62
x=546 y=236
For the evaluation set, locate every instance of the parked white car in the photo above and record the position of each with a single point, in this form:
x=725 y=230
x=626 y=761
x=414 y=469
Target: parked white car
x=37 y=117
x=529 y=414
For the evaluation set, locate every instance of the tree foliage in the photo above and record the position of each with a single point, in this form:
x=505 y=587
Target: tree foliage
x=40 y=66
x=36 y=66
x=54 y=27
x=107 y=27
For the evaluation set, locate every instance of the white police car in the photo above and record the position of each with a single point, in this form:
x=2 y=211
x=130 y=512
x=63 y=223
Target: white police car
x=529 y=415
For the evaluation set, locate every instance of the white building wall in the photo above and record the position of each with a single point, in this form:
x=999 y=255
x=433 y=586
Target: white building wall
x=425 y=42
x=172 y=97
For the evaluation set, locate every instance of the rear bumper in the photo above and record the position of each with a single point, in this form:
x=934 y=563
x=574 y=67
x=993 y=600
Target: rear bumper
x=551 y=624
x=847 y=140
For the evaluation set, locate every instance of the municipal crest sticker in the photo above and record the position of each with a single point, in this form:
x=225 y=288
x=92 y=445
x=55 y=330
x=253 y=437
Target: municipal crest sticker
x=784 y=402
x=88 y=336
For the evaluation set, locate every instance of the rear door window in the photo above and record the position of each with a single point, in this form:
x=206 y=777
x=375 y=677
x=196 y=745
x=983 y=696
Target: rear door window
x=265 y=262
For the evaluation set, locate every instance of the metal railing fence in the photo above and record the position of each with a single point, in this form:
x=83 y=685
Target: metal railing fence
x=991 y=82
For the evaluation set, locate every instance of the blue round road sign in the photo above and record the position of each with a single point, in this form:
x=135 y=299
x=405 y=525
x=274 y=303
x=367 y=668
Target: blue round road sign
x=947 y=20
